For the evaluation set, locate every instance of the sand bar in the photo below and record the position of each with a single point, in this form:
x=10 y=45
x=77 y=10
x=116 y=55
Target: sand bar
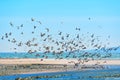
x=57 y=61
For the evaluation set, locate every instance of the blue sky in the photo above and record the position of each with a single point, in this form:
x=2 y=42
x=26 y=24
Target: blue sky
x=104 y=14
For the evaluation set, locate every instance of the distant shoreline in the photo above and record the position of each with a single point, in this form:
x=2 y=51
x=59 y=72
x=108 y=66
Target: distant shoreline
x=29 y=66
x=58 y=61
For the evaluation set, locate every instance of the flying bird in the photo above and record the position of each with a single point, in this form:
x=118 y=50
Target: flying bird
x=11 y=24
x=32 y=19
x=78 y=29
x=21 y=33
x=34 y=27
x=47 y=29
x=42 y=34
x=39 y=22
x=89 y=18
x=2 y=37
x=21 y=25
x=10 y=34
x=92 y=35
x=59 y=33
x=32 y=32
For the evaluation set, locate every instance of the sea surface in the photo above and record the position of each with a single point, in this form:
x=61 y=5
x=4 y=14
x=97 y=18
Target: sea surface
x=113 y=73
x=50 y=55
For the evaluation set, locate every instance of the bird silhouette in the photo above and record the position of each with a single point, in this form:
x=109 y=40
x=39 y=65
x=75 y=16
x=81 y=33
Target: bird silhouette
x=39 y=22
x=32 y=19
x=11 y=24
x=42 y=34
x=22 y=33
x=2 y=37
x=59 y=33
x=34 y=27
x=32 y=32
x=21 y=25
x=78 y=29
x=47 y=29
x=89 y=18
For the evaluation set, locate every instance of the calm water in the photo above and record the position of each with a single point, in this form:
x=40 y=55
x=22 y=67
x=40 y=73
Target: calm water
x=113 y=73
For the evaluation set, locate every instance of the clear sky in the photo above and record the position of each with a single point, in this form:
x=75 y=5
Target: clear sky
x=104 y=14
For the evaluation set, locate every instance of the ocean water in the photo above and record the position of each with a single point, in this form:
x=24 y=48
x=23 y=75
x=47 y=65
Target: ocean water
x=50 y=55
x=113 y=73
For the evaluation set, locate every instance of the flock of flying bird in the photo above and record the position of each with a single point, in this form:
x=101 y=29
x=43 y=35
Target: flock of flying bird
x=60 y=44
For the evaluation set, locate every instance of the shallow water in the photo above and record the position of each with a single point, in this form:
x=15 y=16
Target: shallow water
x=113 y=73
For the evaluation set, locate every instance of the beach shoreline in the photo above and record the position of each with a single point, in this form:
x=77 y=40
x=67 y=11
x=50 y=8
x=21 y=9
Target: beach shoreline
x=59 y=61
x=30 y=66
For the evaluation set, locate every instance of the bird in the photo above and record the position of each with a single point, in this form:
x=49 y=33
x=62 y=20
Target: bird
x=34 y=27
x=78 y=29
x=42 y=34
x=92 y=40
x=30 y=51
x=20 y=44
x=59 y=33
x=92 y=35
x=45 y=39
x=21 y=25
x=89 y=18
x=8 y=40
x=32 y=19
x=39 y=22
x=47 y=29
x=37 y=55
x=2 y=37
x=6 y=35
x=57 y=43
x=62 y=37
x=22 y=33
x=77 y=36
x=13 y=40
x=10 y=34
x=67 y=35
x=32 y=32
x=11 y=24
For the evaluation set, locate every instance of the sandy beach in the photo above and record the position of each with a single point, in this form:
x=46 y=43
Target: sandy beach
x=23 y=66
x=58 y=61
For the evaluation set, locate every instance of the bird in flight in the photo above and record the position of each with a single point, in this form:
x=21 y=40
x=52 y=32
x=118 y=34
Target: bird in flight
x=21 y=25
x=60 y=33
x=32 y=19
x=2 y=37
x=89 y=18
x=78 y=29
x=34 y=27
x=47 y=29
x=11 y=24
x=39 y=22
